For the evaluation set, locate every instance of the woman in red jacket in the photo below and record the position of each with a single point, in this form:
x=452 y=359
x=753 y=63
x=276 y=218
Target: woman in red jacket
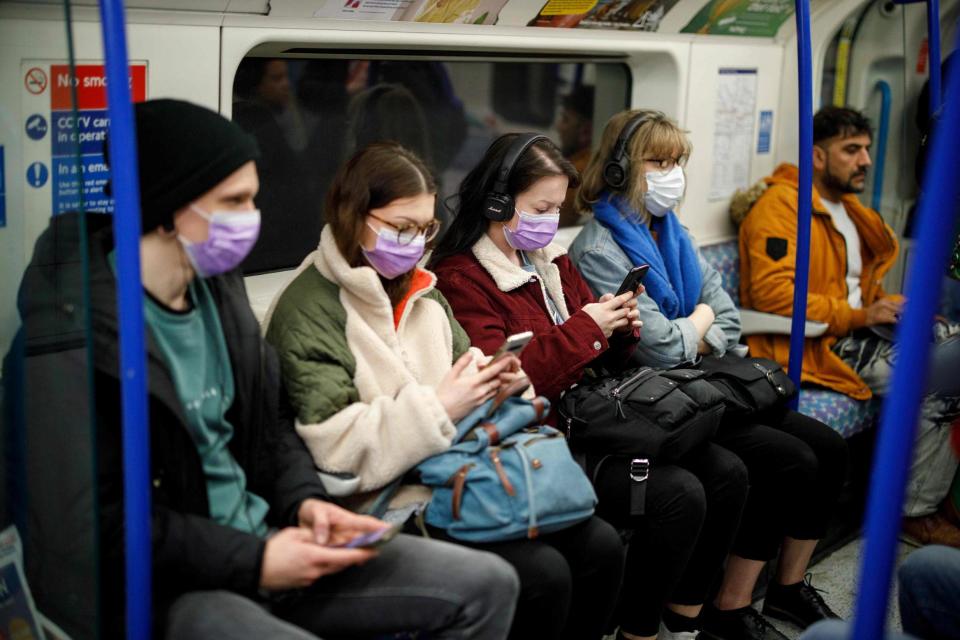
x=502 y=275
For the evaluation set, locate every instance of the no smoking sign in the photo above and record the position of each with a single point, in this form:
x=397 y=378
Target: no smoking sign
x=35 y=81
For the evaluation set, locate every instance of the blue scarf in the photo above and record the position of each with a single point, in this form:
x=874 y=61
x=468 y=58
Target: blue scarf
x=674 y=279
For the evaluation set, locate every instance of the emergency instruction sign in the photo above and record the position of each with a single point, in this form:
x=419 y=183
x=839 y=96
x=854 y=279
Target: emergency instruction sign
x=69 y=143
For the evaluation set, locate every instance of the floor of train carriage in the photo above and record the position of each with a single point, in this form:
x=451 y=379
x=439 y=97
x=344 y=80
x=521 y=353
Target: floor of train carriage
x=836 y=576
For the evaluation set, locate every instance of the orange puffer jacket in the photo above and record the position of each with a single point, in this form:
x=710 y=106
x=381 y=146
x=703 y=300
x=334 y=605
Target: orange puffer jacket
x=767 y=257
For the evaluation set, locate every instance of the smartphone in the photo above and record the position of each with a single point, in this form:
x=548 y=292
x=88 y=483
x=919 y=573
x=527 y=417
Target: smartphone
x=371 y=540
x=633 y=280
x=513 y=344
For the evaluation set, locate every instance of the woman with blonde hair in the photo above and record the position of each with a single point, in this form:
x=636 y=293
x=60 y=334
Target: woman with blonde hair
x=796 y=464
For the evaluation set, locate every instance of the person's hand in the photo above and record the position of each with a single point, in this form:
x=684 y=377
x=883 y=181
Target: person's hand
x=706 y=310
x=460 y=393
x=611 y=313
x=292 y=560
x=884 y=311
x=332 y=525
x=634 y=315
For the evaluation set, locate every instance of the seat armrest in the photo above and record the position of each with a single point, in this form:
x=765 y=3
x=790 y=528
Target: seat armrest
x=754 y=322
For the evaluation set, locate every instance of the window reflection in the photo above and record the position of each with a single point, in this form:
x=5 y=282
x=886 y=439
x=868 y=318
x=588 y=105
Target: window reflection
x=309 y=115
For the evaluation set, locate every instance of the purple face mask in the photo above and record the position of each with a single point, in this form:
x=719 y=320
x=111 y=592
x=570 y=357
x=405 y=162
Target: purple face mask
x=389 y=257
x=230 y=238
x=534 y=231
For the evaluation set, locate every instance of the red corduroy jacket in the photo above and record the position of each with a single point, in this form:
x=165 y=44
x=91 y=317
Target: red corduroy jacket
x=493 y=298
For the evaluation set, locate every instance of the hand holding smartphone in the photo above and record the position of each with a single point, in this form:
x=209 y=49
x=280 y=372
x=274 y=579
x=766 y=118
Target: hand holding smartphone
x=633 y=279
x=513 y=345
x=371 y=539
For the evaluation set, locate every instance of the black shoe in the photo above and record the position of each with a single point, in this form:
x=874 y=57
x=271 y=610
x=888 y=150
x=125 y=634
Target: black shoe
x=800 y=604
x=739 y=624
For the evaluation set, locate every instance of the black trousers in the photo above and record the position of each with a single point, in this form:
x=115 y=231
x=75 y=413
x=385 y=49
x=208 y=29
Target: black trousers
x=569 y=580
x=797 y=466
x=678 y=546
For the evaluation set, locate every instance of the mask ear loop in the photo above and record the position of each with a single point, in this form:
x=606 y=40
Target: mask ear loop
x=185 y=264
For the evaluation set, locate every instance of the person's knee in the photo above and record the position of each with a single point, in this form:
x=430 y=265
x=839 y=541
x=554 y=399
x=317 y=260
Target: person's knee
x=832 y=449
x=551 y=581
x=802 y=466
x=735 y=477
x=688 y=500
x=928 y=570
x=189 y=615
x=491 y=577
x=605 y=547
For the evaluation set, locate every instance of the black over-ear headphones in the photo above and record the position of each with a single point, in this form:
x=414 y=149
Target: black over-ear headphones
x=617 y=169
x=498 y=205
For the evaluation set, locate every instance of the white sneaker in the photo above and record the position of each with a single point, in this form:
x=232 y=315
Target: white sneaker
x=666 y=634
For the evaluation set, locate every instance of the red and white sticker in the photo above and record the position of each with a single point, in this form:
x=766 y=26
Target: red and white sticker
x=35 y=80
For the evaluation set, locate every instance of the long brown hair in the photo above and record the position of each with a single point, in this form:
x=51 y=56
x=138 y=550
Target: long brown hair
x=658 y=137
x=374 y=177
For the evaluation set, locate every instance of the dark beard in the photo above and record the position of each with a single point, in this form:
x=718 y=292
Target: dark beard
x=844 y=187
x=398 y=287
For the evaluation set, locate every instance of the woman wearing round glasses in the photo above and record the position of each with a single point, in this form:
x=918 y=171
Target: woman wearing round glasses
x=378 y=371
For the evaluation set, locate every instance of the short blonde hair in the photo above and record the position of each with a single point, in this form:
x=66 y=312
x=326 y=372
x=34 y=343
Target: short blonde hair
x=658 y=137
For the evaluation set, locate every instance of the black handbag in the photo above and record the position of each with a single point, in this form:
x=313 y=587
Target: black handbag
x=749 y=385
x=639 y=417
x=642 y=412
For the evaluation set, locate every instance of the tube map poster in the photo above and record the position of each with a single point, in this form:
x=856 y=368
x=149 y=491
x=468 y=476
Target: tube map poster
x=761 y=18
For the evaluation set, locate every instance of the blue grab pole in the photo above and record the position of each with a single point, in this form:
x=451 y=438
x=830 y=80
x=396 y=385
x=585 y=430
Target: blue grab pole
x=805 y=196
x=935 y=223
x=882 y=134
x=126 y=225
x=934 y=54
x=933 y=51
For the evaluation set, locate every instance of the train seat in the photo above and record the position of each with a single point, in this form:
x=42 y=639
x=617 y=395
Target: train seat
x=842 y=413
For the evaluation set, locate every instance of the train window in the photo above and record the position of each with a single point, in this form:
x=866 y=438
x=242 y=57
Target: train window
x=309 y=115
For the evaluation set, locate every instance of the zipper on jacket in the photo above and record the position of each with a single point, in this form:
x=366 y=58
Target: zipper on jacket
x=617 y=392
x=501 y=472
x=532 y=530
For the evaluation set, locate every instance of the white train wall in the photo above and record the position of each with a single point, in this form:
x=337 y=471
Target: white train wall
x=194 y=55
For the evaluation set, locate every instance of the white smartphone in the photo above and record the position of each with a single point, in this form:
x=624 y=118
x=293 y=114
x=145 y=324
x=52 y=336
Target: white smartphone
x=513 y=344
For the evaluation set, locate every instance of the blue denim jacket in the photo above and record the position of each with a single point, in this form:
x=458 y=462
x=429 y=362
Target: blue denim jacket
x=663 y=342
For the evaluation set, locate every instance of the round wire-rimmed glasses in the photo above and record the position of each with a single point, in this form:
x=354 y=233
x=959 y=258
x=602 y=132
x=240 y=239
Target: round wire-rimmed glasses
x=406 y=233
x=666 y=164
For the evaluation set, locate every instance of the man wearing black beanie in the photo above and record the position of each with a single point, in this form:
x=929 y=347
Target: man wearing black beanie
x=245 y=541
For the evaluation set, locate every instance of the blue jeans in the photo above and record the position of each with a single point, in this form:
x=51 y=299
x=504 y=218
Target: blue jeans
x=840 y=630
x=929 y=599
x=413 y=585
x=930 y=593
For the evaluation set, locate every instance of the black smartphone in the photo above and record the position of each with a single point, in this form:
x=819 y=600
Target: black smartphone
x=513 y=344
x=371 y=540
x=633 y=280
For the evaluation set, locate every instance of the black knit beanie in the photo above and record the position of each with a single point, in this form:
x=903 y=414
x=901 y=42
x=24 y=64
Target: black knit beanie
x=184 y=150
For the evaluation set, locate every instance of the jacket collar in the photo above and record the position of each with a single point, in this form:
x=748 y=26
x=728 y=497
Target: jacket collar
x=362 y=284
x=873 y=231
x=509 y=276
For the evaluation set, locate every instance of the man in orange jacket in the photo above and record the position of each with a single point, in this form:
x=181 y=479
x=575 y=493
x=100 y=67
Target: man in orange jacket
x=851 y=249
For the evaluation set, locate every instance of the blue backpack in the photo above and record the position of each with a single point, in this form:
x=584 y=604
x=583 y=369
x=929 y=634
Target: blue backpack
x=506 y=476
